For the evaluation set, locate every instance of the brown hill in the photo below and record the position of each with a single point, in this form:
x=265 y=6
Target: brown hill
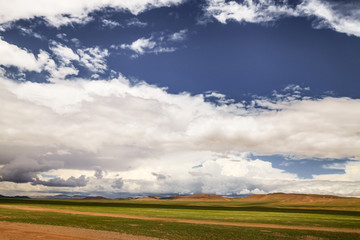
x=293 y=197
x=202 y=197
x=149 y=198
x=196 y=197
x=94 y=198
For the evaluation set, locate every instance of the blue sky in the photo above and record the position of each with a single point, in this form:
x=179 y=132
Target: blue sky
x=124 y=98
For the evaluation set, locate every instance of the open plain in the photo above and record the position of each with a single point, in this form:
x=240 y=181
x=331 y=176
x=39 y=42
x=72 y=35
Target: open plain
x=272 y=216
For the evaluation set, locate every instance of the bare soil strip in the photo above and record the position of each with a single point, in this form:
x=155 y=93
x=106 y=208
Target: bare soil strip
x=237 y=224
x=21 y=231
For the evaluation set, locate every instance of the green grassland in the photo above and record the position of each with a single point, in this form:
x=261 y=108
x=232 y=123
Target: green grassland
x=340 y=213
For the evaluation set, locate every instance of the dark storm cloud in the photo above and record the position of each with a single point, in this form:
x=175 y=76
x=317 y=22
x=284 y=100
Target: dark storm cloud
x=159 y=176
x=23 y=170
x=59 y=182
x=99 y=172
x=118 y=183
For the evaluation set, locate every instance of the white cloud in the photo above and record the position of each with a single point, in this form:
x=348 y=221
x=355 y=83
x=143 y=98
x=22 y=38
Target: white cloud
x=150 y=139
x=341 y=17
x=179 y=36
x=110 y=23
x=63 y=12
x=65 y=57
x=134 y=22
x=325 y=128
x=62 y=36
x=230 y=174
x=159 y=44
x=61 y=72
x=146 y=45
x=338 y=166
x=352 y=170
x=12 y=55
x=140 y=46
x=64 y=53
x=247 y=11
x=30 y=32
x=94 y=58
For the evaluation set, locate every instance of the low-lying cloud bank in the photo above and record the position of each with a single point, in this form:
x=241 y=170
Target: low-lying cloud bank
x=116 y=136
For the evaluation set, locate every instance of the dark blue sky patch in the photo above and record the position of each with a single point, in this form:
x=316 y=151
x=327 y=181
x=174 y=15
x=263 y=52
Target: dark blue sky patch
x=234 y=59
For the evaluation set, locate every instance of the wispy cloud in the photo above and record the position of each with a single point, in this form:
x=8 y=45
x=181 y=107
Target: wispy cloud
x=146 y=45
x=341 y=17
x=179 y=36
x=110 y=23
x=135 y=22
x=247 y=11
x=94 y=59
x=67 y=11
x=154 y=44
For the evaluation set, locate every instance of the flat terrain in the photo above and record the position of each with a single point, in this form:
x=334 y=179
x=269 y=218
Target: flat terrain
x=274 y=216
x=239 y=224
x=21 y=231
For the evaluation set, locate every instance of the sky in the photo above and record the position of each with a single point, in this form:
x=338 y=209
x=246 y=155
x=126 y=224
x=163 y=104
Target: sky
x=146 y=97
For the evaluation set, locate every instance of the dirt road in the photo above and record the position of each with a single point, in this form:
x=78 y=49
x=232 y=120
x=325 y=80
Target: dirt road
x=21 y=231
x=237 y=224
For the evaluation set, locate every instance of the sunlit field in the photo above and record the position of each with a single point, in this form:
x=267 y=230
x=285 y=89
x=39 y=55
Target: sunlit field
x=208 y=219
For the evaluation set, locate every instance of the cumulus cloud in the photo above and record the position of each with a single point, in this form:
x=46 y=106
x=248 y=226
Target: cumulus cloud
x=64 y=58
x=64 y=53
x=59 y=182
x=325 y=127
x=166 y=142
x=25 y=169
x=341 y=17
x=99 y=172
x=140 y=46
x=118 y=183
x=12 y=55
x=59 y=64
x=351 y=169
x=59 y=13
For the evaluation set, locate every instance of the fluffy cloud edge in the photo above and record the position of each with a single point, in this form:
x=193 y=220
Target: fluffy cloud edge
x=58 y=13
x=339 y=17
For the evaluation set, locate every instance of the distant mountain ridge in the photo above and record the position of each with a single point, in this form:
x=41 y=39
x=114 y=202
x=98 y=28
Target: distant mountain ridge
x=279 y=197
x=2 y=196
x=296 y=198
